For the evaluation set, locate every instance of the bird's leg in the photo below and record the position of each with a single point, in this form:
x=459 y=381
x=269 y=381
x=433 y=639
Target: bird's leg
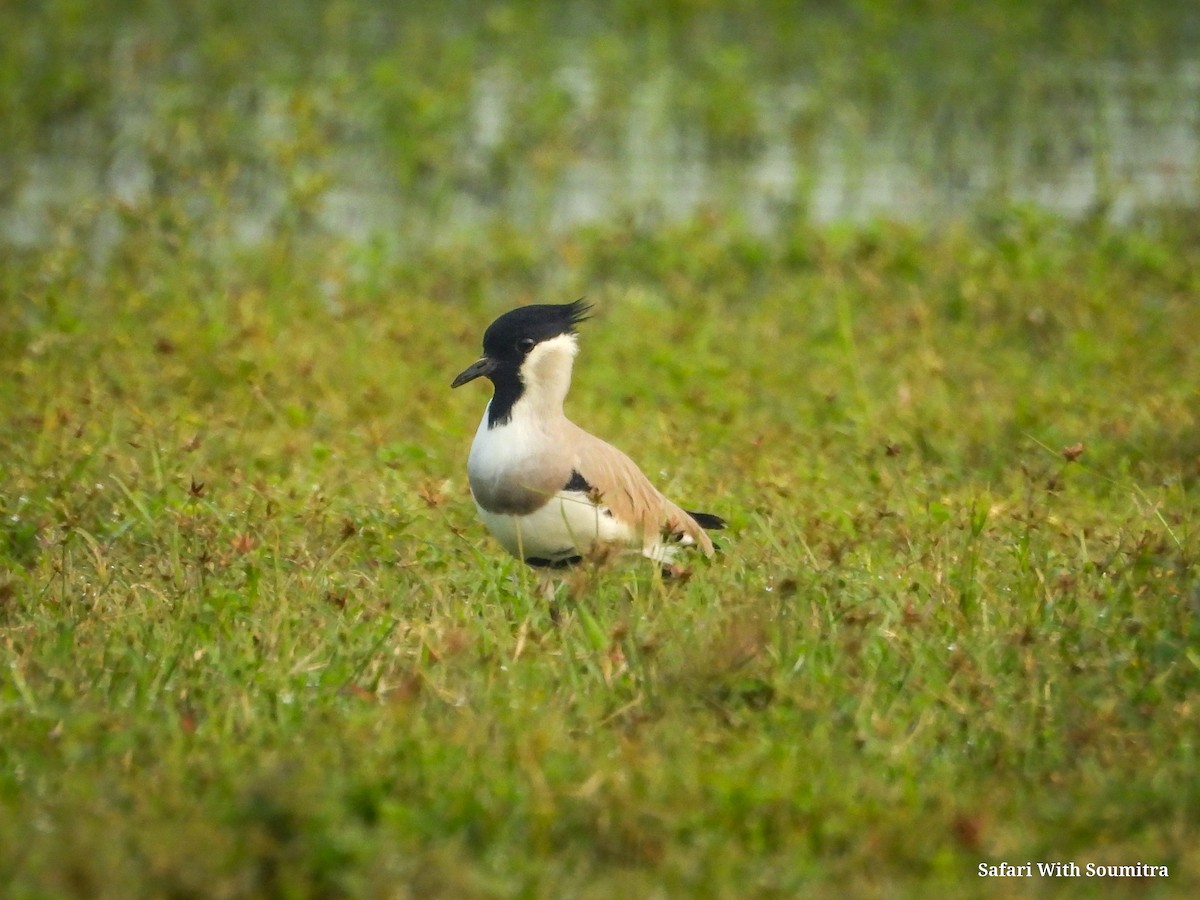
x=549 y=588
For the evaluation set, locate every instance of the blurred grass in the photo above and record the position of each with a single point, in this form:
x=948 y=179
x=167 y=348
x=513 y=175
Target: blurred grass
x=252 y=641
x=236 y=112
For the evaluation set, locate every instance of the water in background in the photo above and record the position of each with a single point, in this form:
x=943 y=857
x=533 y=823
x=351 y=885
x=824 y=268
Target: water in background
x=326 y=151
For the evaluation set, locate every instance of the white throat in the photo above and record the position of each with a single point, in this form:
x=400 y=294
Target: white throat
x=546 y=377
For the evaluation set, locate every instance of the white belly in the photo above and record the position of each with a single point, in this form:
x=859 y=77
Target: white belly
x=569 y=525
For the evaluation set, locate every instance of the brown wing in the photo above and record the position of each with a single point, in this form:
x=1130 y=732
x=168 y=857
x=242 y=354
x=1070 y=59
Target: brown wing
x=630 y=495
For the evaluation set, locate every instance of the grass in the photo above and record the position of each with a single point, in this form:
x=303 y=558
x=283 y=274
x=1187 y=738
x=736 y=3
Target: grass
x=253 y=641
x=408 y=120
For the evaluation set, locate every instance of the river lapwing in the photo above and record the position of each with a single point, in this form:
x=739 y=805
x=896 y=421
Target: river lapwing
x=549 y=491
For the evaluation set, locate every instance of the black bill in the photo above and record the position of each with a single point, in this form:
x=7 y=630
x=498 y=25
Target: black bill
x=484 y=366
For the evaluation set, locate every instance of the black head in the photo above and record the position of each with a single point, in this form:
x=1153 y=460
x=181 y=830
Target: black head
x=509 y=339
x=514 y=334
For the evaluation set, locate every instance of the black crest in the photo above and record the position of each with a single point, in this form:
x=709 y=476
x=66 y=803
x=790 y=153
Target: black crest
x=509 y=340
x=510 y=335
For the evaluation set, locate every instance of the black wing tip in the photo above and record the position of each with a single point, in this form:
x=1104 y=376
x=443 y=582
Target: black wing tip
x=708 y=521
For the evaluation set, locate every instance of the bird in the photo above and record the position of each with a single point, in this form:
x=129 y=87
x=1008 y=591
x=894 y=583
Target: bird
x=550 y=492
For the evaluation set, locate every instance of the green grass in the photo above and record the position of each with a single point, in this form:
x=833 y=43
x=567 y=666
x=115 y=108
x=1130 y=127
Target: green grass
x=252 y=640
x=236 y=112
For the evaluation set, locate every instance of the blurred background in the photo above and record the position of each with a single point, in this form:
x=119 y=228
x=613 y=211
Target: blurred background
x=394 y=125
x=905 y=290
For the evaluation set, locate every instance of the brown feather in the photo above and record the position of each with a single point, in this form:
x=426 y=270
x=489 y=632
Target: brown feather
x=624 y=489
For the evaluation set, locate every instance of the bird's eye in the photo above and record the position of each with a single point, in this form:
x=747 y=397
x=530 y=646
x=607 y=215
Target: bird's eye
x=525 y=344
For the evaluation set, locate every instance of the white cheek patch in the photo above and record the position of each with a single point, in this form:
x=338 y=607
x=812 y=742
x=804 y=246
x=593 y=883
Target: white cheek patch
x=549 y=363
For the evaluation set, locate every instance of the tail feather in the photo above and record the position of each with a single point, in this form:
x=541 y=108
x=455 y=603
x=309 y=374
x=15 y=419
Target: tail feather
x=707 y=521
